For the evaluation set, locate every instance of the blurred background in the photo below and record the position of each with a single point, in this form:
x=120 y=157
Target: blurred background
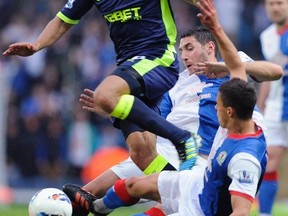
x=46 y=139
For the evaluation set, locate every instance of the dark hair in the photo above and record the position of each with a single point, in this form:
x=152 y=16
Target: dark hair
x=240 y=95
x=203 y=35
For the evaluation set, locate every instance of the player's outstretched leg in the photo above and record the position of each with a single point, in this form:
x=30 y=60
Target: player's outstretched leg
x=134 y=111
x=117 y=196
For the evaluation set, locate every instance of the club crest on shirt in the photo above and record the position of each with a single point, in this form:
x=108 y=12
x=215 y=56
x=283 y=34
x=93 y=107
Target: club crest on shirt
x=245 y=177
x=69 y=4
x=221 y=157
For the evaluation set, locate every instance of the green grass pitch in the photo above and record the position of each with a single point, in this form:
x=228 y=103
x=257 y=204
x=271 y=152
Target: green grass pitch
x=22 y=210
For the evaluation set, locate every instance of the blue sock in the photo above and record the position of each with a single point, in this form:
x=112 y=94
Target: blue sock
x=118 y=196
x=151 y=121
x=267 y=193
x=111 y=200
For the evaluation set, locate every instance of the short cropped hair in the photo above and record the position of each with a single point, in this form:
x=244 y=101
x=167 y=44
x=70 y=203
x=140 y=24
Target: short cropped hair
x=240 y=95
x=203 y=35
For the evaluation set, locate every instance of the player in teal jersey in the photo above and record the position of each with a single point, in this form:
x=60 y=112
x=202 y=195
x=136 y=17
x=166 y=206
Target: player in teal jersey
x=144 y=35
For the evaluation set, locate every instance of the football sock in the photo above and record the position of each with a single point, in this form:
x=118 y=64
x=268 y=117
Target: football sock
x=134 y=110
x=152 y=212
x=118 y=196
x=267 y=192
x=157 y=165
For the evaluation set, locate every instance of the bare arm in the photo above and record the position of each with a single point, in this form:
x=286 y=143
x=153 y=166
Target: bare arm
x=240 y=206
x=260 y=70
x=209 y=18
x=54 y=30
x=264 y=70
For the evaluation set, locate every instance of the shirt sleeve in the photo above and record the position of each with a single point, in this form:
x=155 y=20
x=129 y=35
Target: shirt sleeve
x=73 y=11
x=244 y=170
x=166 y=105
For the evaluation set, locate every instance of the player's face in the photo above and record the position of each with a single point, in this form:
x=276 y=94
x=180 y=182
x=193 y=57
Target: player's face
x=221 y=112
x=192 y=52
x=277 y=11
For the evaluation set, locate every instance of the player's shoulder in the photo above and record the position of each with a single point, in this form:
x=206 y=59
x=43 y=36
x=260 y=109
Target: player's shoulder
x=270 y=30
x=182 y=81
x=185 y=77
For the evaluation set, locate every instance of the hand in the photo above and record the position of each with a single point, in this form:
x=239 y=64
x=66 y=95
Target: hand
x=21 y=49
x=88 y=103
x=208 y=15
x=87 y=100
x=211 y=69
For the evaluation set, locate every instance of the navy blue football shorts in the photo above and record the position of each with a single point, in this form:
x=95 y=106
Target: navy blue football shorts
x=149 y=77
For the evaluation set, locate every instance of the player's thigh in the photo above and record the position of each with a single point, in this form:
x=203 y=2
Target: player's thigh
x=110 y=90
x=191 y=185
x=277 y=143
x=156 y=74
x=169 y=190
x=147 y=78
x=179 y=191
x=275 y=155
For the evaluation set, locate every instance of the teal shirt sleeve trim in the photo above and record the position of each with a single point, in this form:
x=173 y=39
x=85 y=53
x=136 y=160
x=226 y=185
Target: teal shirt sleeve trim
x=66 y=19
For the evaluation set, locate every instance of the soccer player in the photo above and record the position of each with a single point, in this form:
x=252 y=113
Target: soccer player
x=273 y=100
x=144 y=35
x=236 y=163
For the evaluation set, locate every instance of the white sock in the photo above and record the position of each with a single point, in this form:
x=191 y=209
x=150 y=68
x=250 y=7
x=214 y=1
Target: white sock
x=100 y=207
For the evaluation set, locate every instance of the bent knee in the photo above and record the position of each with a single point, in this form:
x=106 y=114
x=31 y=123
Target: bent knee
x=105 y=101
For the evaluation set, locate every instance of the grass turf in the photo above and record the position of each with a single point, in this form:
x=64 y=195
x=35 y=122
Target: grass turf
x=22 y=210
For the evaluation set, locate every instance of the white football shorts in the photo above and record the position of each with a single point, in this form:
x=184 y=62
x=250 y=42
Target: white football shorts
x=179 y=190
x=276 y=134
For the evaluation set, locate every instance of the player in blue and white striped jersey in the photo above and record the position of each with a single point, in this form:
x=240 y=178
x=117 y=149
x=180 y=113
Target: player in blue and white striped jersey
x=190 y=104
x=273 y=100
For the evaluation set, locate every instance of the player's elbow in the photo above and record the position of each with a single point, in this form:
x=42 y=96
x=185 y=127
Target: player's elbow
x=277 y=72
